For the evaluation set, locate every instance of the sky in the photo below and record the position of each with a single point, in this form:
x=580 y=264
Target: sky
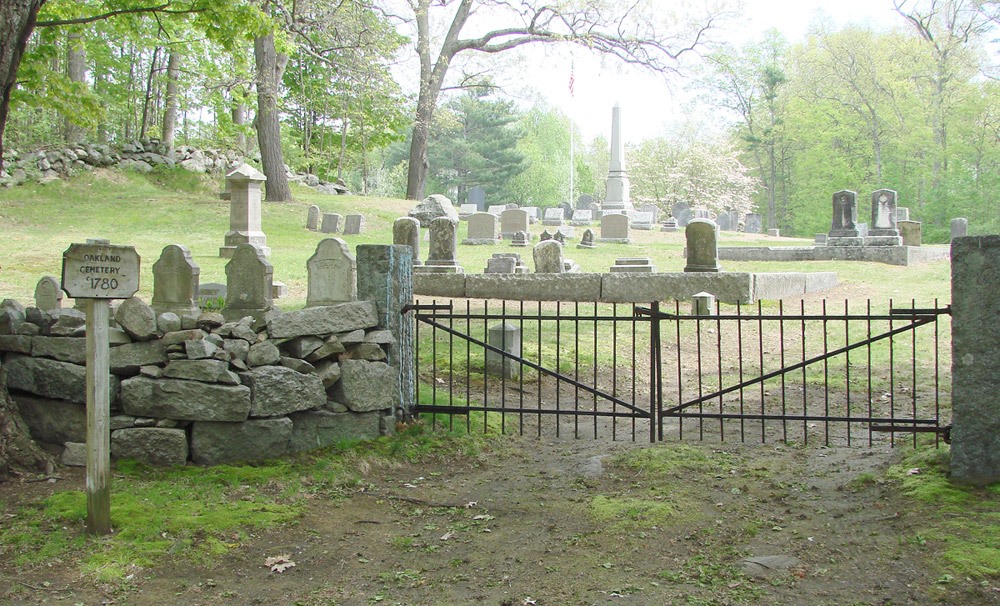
x=648 y=103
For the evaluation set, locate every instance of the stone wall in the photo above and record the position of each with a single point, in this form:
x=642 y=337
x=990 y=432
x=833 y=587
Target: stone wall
x=45 y=165
x=202 y=389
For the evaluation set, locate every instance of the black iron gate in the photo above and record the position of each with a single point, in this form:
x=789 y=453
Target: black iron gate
x=623 y=370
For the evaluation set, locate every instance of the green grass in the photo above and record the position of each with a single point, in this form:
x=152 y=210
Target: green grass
x=964 y=524
x=196 y=514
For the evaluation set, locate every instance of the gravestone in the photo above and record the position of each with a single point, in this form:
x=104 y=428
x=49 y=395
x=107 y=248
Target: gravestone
x=819 y=239
x=582 y=217
x=48 y=294
x=505 y=336
x=553 y=216
x=212 y=293
x=883 y=230
x=587 y=241
x=353 y=225
x=753 y=223
x=845 y=215
x=703 y=213
x=406 y=231
x=959 y=228
x=774 y=233
x=702 y=246
x=559 y=237
x=312 y=218
x=466 y=210
x=506 y=263
x=682 y=212
x=634 y=265
x=615 y=228
x=482 y=229
x=567 y=209
x=433 y=207
x=567 y=231
x=175 y=282
x=513 y=220
x=653 y=210
x=330 y=224
x=244 y=185
x=727 y=221
x=532 y=213
x=548 y=257
x=332 y=274
x=477 y=197
x=902 y=214
x=642 y=220
x=910 y=232
x=496 y=209
x=520 y=239
x=616 y=185
x=669 y=225
x=249 y=279
x=703 y=304
x=545 y=235
x=442 y=254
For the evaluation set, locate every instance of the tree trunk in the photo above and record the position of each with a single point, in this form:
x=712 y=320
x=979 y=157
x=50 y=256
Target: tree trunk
x=170 y=109
x=147 y=98
x=239 y=116
x=17 y=21
x=270 y=66
x=76 y=69
x=17 y=451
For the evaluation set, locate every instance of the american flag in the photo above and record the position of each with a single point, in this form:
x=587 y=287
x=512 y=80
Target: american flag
x=571 y=80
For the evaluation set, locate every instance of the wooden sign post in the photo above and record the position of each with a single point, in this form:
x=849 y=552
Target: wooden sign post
x=98 y=272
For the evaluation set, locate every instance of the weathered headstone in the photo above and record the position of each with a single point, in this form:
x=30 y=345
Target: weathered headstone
x=559 y=237
x=532 y=213
x=442 y=254
x=642 y=220
x=910 y=232
x=682 y=212
x=703 y=213
x=331 y=223
x=883 y=230
x=819 y=239
x=406 y=231
x=548 y=257
x=726 y=222
x=902 y=214
x=354 y=225
x=506 y=263
x=175 y=282
x=774 y=232
x=505 y=336
x=703 y=304
x=702 y=246
x=653 y=210
x=845 y=215
x=496 y=209
x=567 y=209
x=482 y=229
x=553 y=216
x=669 y=225
x=48 y=294
x=544 y=236
x=587 y=241
x=249 y=279
x=211 y=293
x=959 y=228
x=520 y=239
x=752 y=223
x=582 y=217
x=466 y=210
x=513 y=220
x=477 y=197
x=312 y=218
x=615 y=228
x=244 y=184
x=333 y=274
x=639 y=265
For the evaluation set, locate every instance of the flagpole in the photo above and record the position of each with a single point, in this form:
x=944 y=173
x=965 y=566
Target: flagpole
x=572 y=146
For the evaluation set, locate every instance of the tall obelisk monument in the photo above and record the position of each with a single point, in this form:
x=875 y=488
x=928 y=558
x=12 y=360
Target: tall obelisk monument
x=616 y=197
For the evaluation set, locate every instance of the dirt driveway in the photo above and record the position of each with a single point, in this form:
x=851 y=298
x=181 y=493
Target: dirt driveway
x=571 y=522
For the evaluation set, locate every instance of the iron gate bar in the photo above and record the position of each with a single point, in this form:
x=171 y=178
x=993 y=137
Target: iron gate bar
x=780 y=417
x=916 y=322
x=638 y=411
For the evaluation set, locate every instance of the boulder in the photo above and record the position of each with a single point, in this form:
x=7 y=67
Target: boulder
x=217 y=443
x=64 y=349
x=323 y=320
x=276 y=391
x=206 y=371
x=365 y=386
x=53 y=421
x=433 y=207
x=128 y=358
x=263 y=354
x=137 y=319
x=185 y=400
x=51 y=378
x=154 y=446
x=320 y=428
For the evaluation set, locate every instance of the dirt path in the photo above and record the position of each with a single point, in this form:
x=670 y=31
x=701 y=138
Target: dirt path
x=563 y=523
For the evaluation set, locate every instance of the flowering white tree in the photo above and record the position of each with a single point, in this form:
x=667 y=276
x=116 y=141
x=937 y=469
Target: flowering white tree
x=687 y=166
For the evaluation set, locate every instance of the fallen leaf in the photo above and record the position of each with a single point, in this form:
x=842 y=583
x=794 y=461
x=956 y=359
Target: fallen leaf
x=912 y=472
x=279 y=563
x=447 y=535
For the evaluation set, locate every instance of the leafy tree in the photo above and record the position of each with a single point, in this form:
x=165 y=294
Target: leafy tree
x=545 y=145
x=475 y=143
x=633 y=33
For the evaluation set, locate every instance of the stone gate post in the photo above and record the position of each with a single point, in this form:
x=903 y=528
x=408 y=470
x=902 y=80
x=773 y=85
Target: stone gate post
x=975 y=366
